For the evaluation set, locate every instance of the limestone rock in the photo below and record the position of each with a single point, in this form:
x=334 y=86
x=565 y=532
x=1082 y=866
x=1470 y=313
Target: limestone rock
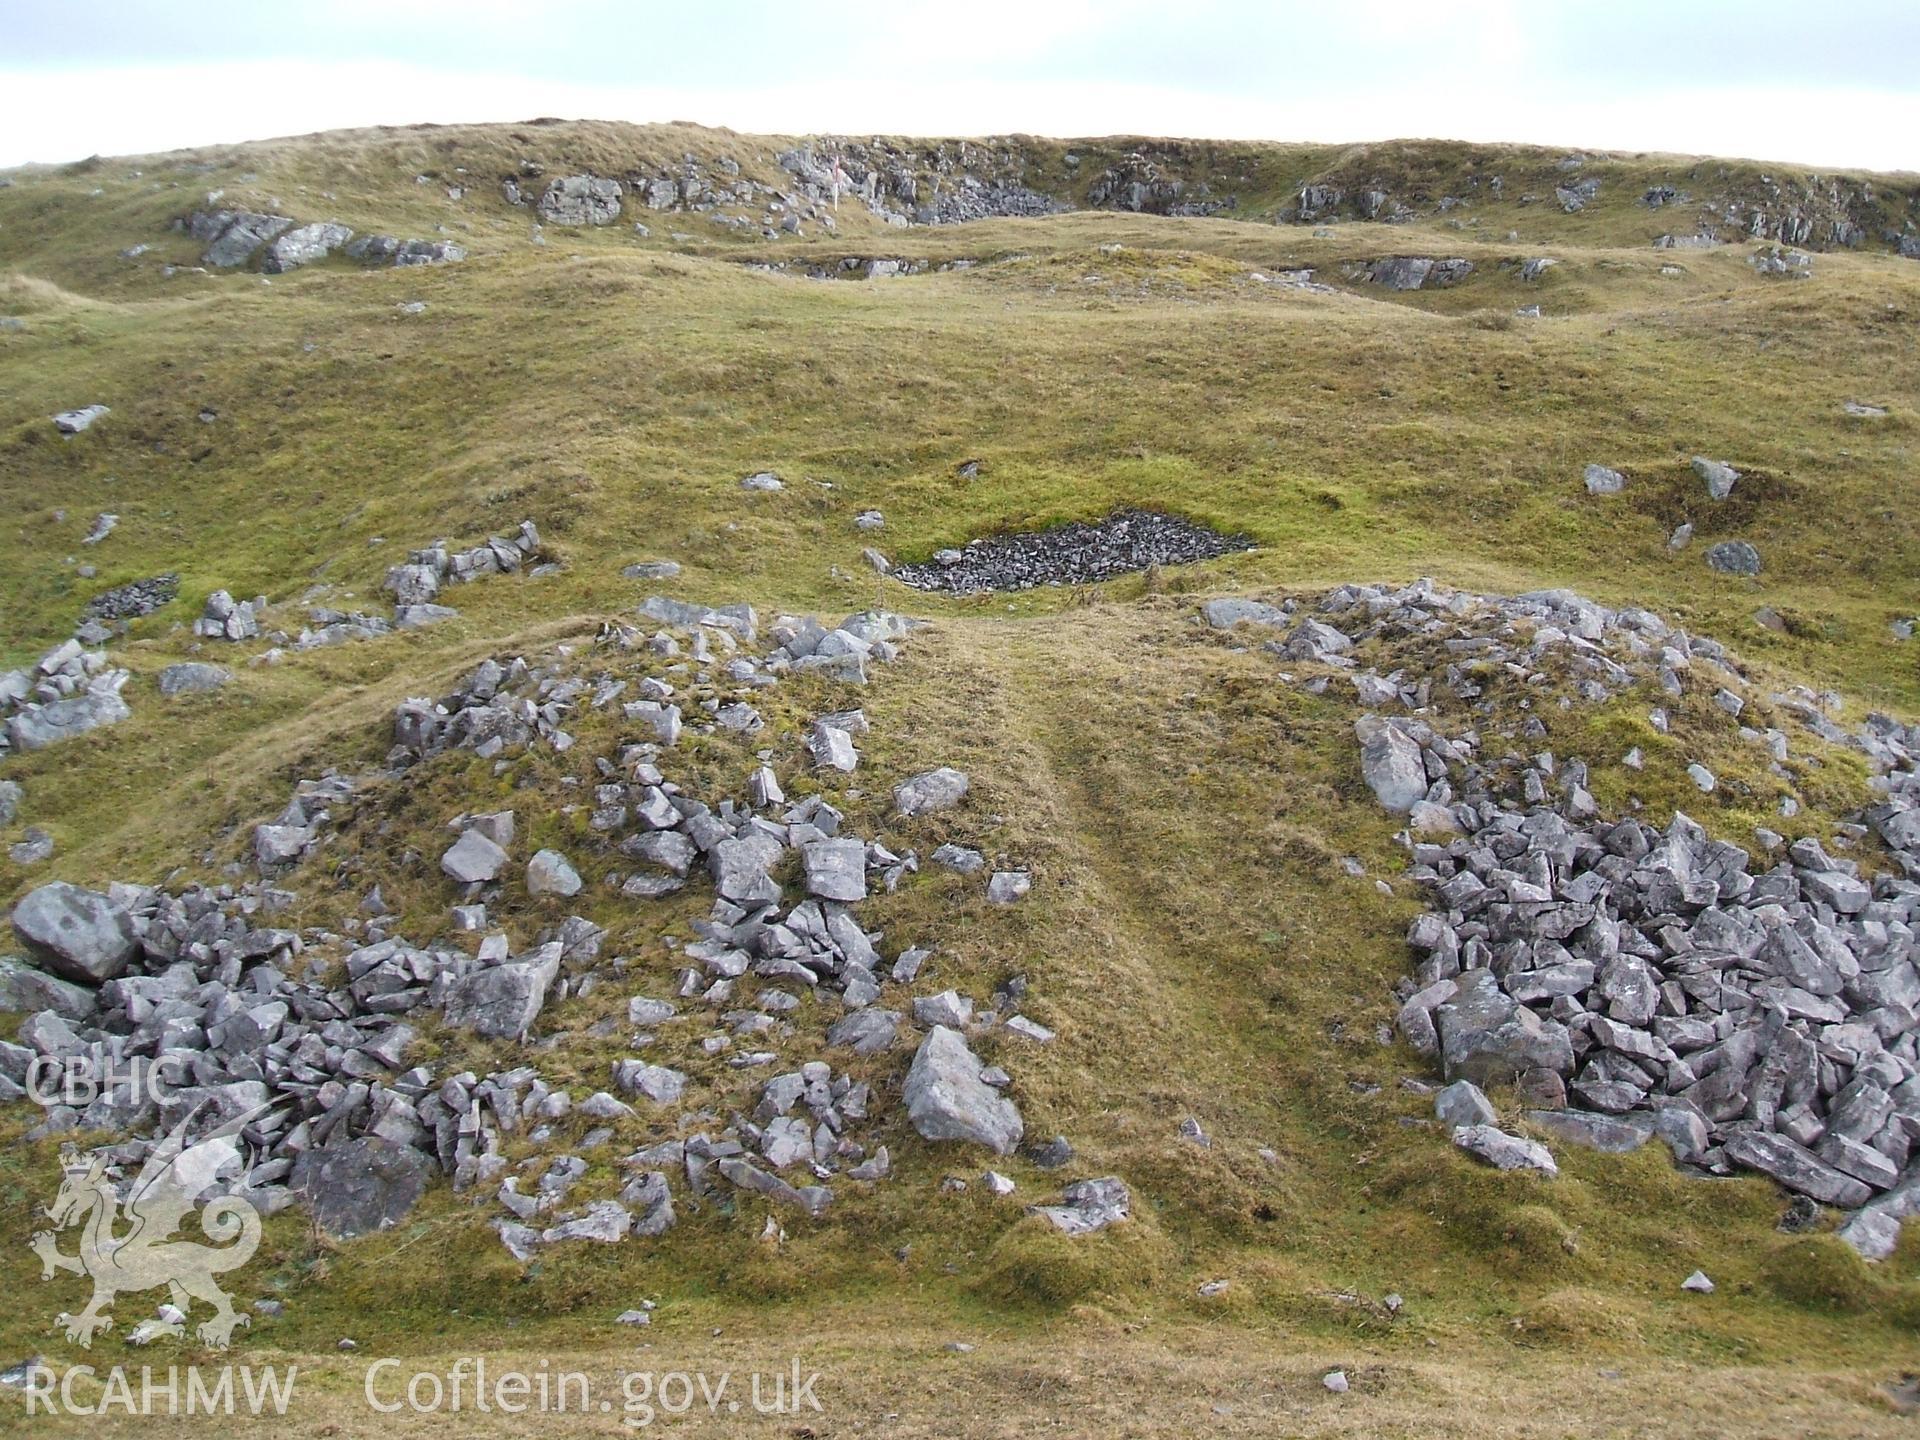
x=550 y=873
x=1795 y=1167
x=657 y=1083
x=1504 y=1151
x=1734 y=557
x=503 y=1000
x=26 y=989
x=836 y=869
x=930 y=792
x=947 y=1100
x=1488 y=1038
x=473 y=859
x=581 y=200
x=1224 y=614
x=303 y=245
x=72 y=422
x=1391 y=762
x=1463 y=1103
x=1088 y=1205
x=1612 y=1134
x=79 y=935
x=361 y=1186
x=1719 y=475
x=192 y=677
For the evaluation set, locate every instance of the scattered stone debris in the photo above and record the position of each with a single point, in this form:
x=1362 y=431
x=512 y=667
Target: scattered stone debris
x=234 y=237
x=1637 y=982
x=1087 y=1206
x=1782 y=262
x=1602 y=481
x=135 y=599
x=225 y=618
x=67 y=692
x=1072 y=554
x=316 y=1023
x=415 y=585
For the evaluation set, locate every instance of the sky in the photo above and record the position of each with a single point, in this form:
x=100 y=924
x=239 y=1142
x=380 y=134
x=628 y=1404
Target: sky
x=1835 y=85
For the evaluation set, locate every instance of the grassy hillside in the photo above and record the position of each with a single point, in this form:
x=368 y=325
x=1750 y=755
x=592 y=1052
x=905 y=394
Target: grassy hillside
x=1192 y=936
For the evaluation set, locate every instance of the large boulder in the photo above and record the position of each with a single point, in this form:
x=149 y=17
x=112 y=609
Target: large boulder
x=1463 y=1103
x=245 y=231
x=304 y=244
x=1734 y=557
x=473 y=858
x=1719 y=475
x=360 y=1186
x=191 y=677
x=1874 y=1229
x=1390 y=759
x=79 y=935
x=1489 y=1039
x=1504 y=1151
x=581 y=200
x=72 y=422
x=1795 y=1167
x=836 y=869
x=26 y=990
x=503 y=1000
x=39 y=726
x=658 y=1083
x=947 y=1099
x=1229 y=611
x=551 y=873
x=1412 y=272
x=742 y=869
x=932 y=791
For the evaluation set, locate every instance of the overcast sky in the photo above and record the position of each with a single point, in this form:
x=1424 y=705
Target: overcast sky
x=1833 y=85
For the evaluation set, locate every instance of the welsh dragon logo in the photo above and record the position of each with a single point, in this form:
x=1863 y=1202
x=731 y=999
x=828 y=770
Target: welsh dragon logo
x=145 y=1255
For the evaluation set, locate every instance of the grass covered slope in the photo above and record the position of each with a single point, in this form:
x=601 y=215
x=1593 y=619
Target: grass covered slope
x=1192 y=935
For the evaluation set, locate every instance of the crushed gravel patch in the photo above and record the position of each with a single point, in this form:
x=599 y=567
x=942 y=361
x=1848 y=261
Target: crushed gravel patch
x=131 y=601
x=1072 y=554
